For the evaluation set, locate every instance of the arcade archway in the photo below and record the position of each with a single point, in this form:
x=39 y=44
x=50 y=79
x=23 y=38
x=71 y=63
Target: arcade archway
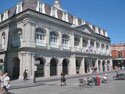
x=40 y=67
x=15 y=68
x=53 y=67
x=103 y=66
x=65 y=66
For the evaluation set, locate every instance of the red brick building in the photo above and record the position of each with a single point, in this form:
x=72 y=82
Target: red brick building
x=118 y=55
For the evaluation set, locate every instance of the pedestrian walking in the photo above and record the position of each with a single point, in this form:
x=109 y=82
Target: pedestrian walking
x=6 y=83
x=25 y=75
x=63 y=79
x=1 y=82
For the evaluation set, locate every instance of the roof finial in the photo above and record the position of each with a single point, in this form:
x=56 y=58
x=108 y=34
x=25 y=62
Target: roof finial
x=57 y=4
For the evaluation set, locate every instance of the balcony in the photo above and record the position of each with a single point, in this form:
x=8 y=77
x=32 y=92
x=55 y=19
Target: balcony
x=77 y=49
x=40 y=43
x=15 y=45
x=65 y=47
x=54 y=45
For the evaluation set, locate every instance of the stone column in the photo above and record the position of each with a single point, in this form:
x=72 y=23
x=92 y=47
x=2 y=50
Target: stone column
x=33 y=66
x=29 y=55
x=48 y=38
x=29 y=29
x=88 y=43
x=82 y=67
x=106 y=66
x=72 y=65
x=101 y=70
x=22 y=56
x=47 y=67
x=60 y=41
x=95 y=50
x=59 y=66
x=72 y=42
x=81 y=43
x=97 y=65
x=111 y=64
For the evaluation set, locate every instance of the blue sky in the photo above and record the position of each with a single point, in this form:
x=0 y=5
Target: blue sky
x=107 y=14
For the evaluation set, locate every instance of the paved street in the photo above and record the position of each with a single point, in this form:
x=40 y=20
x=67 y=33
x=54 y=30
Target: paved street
x=112 y=87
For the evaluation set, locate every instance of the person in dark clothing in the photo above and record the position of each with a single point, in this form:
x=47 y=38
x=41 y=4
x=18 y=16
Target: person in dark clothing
x=63 y=79
x=25 y=75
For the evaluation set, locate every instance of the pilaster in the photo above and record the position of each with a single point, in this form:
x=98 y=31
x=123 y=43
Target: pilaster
x=106 y=66
x=110 y=66
x=60 y=41
x=72 y=65
x=29 y=29
x=59 y=67
x=72 y=42
x=47 y=38
x=101 y=70
x=22 y=56
x=81 y=42
x=47 y=67
x=82 y=67
x=97 y=65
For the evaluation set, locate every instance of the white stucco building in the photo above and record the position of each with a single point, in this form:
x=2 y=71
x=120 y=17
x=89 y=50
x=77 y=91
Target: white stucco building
x=49 y=40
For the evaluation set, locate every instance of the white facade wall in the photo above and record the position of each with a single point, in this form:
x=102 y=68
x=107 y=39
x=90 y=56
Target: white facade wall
x=28 y=51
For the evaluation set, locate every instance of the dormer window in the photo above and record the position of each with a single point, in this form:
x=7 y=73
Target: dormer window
x=19 y=7
x=53 y=12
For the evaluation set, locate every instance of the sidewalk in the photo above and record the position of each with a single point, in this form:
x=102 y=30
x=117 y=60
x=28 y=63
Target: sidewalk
x=17 y=84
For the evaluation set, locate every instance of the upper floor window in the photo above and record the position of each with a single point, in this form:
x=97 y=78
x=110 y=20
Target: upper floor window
x=17 y=38
x=3 y=40
x=91 y=42
x=40 y=34
x=65 y=39
x=107 y=46
x=85 y=42
x=119 y=54
x=53 y=37
x=102 y=46
x=97 y=45
x=76 y=41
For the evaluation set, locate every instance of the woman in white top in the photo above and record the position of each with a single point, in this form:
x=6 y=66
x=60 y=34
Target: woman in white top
x=1 y=82
x=5 y=85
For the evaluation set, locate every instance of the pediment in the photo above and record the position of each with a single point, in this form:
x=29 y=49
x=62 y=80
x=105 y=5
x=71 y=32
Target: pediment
x=85 y=28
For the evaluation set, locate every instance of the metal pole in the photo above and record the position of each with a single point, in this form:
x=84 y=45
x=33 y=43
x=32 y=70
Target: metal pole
x=34 y=77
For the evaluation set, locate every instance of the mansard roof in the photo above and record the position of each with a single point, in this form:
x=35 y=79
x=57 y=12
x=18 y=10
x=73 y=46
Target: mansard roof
x=58 y=13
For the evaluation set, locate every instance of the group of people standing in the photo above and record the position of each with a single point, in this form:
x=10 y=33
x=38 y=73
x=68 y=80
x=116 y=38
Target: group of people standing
x=4 y=82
